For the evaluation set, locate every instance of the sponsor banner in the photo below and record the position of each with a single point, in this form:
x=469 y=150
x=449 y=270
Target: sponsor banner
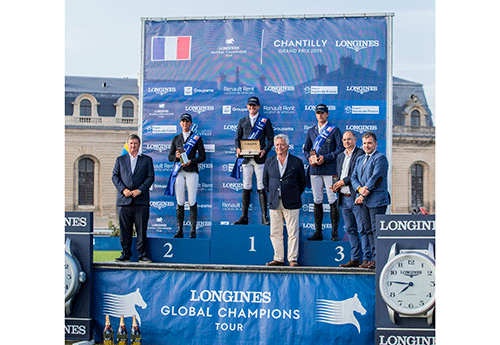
x=178 y=307
x=290 y=64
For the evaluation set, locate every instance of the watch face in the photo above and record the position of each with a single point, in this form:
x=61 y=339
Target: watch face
x=70 y=276
x=408 y=284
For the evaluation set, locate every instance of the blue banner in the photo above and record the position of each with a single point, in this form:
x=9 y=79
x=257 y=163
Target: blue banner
x=209 y=68
x=175 y=307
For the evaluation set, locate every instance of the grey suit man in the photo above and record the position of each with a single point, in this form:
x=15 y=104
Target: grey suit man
x=358 y=236
x=133 y=175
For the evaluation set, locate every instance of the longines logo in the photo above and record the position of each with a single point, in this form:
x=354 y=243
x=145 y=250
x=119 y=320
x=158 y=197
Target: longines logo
x=199 y=108
x=158 y=147
x=162 y=90
x=232 y=128
x=411 y=274
x=408 y=225
x=279 y=89
x=357 y=45
x=161 y=204
x=406 y=339
x=361 y=89
x=312 y=107
x=361 y=128
x=234 y=186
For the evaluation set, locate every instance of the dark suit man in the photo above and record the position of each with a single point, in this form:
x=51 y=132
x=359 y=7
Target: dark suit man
x=346 y=194
x=285 y=181
x=245 y=128
x=133 y=175
x=369 y=179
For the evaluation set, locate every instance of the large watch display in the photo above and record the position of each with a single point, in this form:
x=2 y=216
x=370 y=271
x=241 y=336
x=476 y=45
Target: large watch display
x=407 y=283
x=73 y=277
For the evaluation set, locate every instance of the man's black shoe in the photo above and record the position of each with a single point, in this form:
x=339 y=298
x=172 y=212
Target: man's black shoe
x=122 y=259
x=145 y=259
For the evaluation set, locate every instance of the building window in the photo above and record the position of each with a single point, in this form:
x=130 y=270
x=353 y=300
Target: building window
x=417 y=185
x=86 y=181
x=415 y=118
x=127 y=109
x=85 y=108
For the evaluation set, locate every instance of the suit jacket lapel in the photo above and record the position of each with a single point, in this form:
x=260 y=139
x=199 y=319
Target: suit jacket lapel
x=126 y=158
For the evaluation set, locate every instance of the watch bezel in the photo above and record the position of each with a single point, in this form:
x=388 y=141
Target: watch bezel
x=384 y=274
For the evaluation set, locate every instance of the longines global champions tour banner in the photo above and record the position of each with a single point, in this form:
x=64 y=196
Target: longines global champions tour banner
x=174 y=307
x=210 y=67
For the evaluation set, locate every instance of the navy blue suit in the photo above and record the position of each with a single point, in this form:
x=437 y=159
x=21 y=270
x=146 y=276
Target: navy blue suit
x=133 y=210
x=292 y=184
x=373 y=175
x=359 y=238
x=329 y=150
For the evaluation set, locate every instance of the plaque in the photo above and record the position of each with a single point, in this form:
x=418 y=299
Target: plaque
x=250 y=148
x=184 y=158
x=314 y=158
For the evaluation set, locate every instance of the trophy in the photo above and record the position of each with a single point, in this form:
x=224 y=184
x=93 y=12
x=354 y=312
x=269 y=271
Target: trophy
x=184 y=158
x=250 y=148
x=314 y=158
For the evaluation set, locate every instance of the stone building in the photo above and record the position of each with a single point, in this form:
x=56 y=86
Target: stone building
x=101 y=112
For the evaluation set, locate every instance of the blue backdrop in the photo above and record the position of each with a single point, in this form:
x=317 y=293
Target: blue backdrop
x=209 y=68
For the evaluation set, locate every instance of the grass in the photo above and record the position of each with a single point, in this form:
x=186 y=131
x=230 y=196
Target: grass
x=103 y=256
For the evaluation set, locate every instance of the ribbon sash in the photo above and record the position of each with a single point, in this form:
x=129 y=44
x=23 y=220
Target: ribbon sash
x=321 y=138
x=257 y=130
x=188 y=146
x=318 y=142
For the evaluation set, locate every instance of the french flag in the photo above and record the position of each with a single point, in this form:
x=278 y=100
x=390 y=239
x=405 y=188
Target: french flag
x=170 y=48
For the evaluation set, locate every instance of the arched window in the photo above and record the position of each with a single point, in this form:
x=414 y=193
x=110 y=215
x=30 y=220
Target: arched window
x=415 y=118
x=86 y=181
x=127 y=109
x=417 y=185
x=85 y=108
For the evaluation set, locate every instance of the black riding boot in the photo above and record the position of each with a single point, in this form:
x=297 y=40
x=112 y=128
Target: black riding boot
x=180 y=222
x=245 y=203
x=318 y=223
x=193 y=214
x=263 y=206
x=334 y=217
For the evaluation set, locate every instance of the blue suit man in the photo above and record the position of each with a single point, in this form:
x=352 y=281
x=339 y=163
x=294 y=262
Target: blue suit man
x=369 y=179
x=133 y=175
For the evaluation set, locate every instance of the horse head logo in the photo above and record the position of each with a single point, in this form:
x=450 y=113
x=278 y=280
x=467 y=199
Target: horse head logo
x=118 y=305
x=339 y=312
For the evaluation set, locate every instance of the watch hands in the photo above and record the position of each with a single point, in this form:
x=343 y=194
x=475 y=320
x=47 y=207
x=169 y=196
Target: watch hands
x=409 y=284
x=399 y=282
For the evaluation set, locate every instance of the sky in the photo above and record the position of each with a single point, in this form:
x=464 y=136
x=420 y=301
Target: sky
x=102 y=38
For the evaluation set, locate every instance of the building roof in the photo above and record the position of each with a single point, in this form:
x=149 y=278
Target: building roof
x=101 y=85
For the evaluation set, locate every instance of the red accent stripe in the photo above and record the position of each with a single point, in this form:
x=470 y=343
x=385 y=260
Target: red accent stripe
x=183 y=48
